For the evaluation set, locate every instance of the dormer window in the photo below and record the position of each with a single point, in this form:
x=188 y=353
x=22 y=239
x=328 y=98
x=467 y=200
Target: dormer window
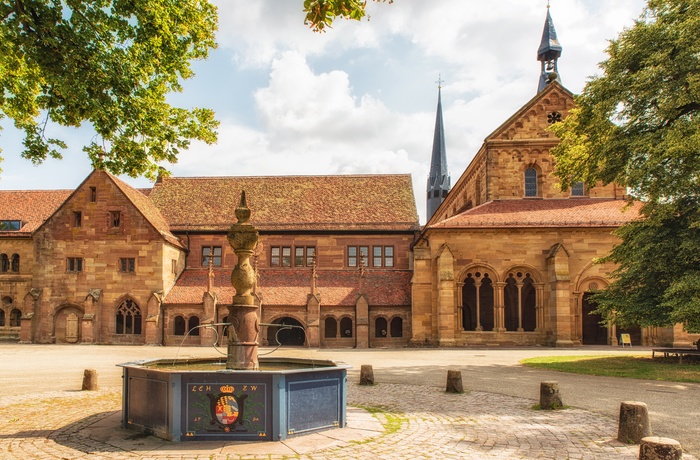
x=10 y=225
x=530 y=182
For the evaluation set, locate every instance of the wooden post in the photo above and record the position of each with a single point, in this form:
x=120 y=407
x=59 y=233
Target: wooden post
x=90 y=380
x=549 y=396
x=454 y=382
x=656 y=448
x=366 y=375
x=634 y=422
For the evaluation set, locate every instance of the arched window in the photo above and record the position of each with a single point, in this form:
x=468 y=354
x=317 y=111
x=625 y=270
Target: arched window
x=331 y=328
x=15 y=318
x=520 y=304
x=346 y=327
x=397 y=327
x=179 y=325
x=192 y=324
x=530 y=182
x=128 y=318
x=4 y=263
x=469 y=304
x=486 y=303
x=15 y=263
x=2 y=318
x=380 y=327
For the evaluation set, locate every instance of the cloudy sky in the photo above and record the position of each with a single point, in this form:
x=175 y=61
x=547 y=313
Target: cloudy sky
x=360 y=98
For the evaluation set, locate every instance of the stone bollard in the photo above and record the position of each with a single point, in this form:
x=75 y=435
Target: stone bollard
x=634 y=422
x=549 y=396
x=90 y=379
x=366 y=375
x=454 y=382
x=656 y=448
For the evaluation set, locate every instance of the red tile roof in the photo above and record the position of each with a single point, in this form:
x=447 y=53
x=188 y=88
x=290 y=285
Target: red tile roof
x=568 y=212
x=32 y=207
x=291 y=287
x=359 y=202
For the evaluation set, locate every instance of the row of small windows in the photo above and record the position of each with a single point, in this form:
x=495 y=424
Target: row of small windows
x=77 y=264
x=115 y=219
x=9 y=263
x=577 y=189
x=334 y=329
x=304 y=256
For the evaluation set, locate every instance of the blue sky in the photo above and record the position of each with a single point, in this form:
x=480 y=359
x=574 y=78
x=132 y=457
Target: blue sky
x=361 y=97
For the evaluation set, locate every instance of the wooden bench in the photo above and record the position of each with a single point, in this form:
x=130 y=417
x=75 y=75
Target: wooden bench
x=680 y=352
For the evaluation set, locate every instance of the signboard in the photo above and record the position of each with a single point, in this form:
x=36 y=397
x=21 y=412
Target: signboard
x=625 y=339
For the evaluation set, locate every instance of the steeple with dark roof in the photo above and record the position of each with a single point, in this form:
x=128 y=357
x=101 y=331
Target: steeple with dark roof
x=439 y=178
x=548 y=54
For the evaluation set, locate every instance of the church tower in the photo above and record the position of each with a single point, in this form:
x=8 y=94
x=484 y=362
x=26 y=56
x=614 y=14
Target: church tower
x=439 y=178
x=548 y=54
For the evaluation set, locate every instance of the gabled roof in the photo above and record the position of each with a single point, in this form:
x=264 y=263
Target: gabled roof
x=289 y=287
x=533 y=213
x=329 y=203
x=147 y=209
x=31 y=207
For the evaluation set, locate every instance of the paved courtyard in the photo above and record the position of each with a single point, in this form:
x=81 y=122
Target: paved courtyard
x=406 y=415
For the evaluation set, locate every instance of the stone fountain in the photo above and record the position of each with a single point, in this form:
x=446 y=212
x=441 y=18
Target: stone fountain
x=242 y=398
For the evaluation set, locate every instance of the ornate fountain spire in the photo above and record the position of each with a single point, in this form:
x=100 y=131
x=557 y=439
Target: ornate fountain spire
x=548 y=54
x=243 y=333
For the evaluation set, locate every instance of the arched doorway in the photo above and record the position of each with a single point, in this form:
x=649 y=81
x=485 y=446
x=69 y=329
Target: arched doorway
x=594 y=333
x=294 y=336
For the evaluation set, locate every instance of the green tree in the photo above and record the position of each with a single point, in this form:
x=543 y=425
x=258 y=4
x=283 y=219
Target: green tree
x=638 y=124
x=321 y=13
x=109 y=64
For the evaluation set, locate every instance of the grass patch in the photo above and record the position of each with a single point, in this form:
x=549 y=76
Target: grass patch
x=391 y=421
x=629 y=366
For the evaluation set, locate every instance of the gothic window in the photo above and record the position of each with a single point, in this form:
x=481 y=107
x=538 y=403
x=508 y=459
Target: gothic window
x=192 y=325
x=4 y=263
x=213 y=253
x=331 y=328
x=380 y=328
x=486 y=303
x=346 y=327
x=128 y=320
x=577 y=189
x=179 y=325
x=520 y=303
x=15 y=318
x=15 y=263
x=397 y=327
x=530 y=182
x=2 y=318
x=469 y=304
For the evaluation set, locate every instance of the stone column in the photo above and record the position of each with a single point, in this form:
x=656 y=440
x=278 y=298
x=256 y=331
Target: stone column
x=499 y=308
x=559 y=303
x=243 y=312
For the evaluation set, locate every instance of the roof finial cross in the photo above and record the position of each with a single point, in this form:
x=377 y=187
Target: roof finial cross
x=440 y=81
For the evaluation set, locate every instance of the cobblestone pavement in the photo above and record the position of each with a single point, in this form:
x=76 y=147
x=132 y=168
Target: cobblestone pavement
x=395 y=422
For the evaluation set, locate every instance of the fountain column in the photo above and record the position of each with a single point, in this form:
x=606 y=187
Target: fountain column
x=243 y=312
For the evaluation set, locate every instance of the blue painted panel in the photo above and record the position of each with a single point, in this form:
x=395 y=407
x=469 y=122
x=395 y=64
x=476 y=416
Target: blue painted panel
x=313 y=404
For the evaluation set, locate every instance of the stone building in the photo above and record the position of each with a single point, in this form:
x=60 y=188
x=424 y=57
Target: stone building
x=508 y=257
x=107 y=263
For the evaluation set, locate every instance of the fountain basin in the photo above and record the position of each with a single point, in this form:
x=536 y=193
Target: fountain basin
x=200 y=400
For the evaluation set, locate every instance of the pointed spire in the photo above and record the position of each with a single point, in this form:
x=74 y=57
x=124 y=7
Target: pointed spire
x=439 y=178
x=548 y=53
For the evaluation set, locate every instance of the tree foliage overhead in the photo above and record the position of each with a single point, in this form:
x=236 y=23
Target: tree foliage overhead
x=109 y=64
x=638 y=125
x=321 y=13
